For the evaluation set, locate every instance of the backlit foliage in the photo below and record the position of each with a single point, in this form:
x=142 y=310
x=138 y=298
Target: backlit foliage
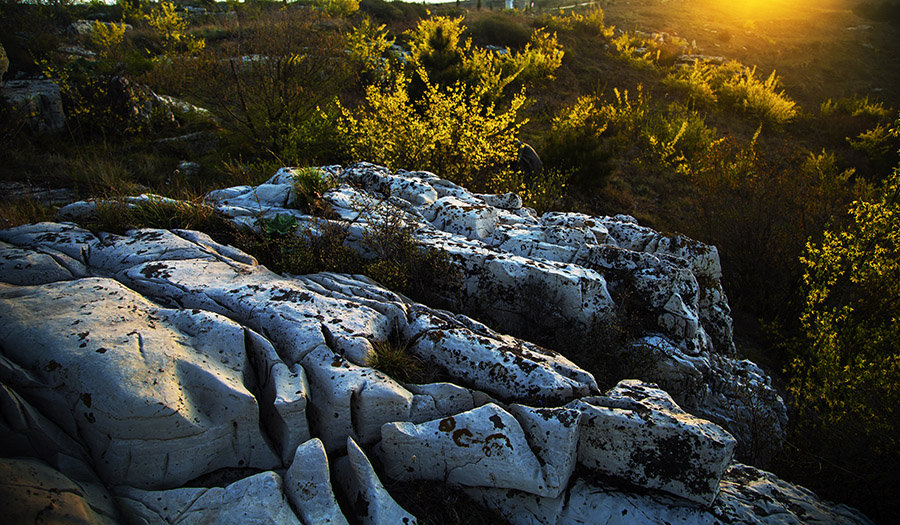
x=172 y=28
x=449 y=130
x=848 y=373
x=734 y=84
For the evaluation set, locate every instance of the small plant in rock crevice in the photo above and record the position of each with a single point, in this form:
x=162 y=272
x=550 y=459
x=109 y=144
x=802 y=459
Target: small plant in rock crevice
x=309 y=185
x=395 y=360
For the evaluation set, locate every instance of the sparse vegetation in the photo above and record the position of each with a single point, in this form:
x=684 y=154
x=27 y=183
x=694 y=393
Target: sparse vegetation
x=725 y=150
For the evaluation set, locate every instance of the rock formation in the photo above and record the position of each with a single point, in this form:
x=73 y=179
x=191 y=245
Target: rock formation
x=159 y=375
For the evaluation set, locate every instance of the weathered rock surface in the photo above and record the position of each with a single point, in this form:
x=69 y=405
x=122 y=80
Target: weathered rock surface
x=562 y=273
x=761 y=499
x=196 y=385
x=158 y=396
x=307 y=484
x=255 y=499
x=33 y=492
x=370 y=503
x=637 y=433
x=35 y=102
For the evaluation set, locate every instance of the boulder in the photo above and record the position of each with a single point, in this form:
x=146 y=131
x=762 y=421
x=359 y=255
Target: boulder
x=35 y=102
x=484 y=447
x=529 y=162
x=637 y=433
x=749 y=496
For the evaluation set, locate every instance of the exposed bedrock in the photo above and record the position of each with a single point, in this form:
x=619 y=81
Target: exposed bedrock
x=159 y=376
x=569 y=279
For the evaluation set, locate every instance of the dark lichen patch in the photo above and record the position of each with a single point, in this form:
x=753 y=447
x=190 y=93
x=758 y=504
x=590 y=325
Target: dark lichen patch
x=494 y=443
x=447 y=424
x=294 y=296
x=462 y=437
x=156 y=270
x=497 y=421
x=674 y=459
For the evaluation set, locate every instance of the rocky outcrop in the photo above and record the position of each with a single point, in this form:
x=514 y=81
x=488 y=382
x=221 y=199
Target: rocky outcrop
x=574 y=276
x=160 y=376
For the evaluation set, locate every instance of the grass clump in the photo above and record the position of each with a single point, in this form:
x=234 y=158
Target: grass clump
x=309 y=185
x=395 y=360
x=121 y=214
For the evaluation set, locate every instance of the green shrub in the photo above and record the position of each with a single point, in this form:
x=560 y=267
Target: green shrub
x=695 y=81
x=450 y=131
x=171 y=27
x=309 y=186
x=854 y=107
x=499 y=30
x=759 y=97
x=396 y=260
x=367 y=45
x=279 y=225
x=846 y=367
x=107 y=39
x=576 y=145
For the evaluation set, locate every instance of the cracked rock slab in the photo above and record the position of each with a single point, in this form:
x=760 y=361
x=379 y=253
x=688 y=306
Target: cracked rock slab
x=256 y=499
x=157 y=396
x=33 y=492
x=637 y=433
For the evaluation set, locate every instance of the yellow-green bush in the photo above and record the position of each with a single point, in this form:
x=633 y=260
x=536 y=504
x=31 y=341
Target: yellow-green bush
x=845 y=376
x=171 y=27
x=759 y=97
x=367 y=44
x=449 y=130
x=107 y=39
x=576 y=144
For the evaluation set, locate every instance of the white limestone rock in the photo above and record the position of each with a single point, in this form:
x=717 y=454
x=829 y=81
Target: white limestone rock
x=498 y=365
x=751 y=495
x=157 y=396
x=589 y=502
x=553 y=435
x=65 y=238
x=347 y=400
x=472 y=221
x=439 y=400
x=307 y=484
x=371 y=504
x=256 y=499
x=33 y=492
x=637 y=433
x=26 y=267
x=484 y=447
x=283 y=396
